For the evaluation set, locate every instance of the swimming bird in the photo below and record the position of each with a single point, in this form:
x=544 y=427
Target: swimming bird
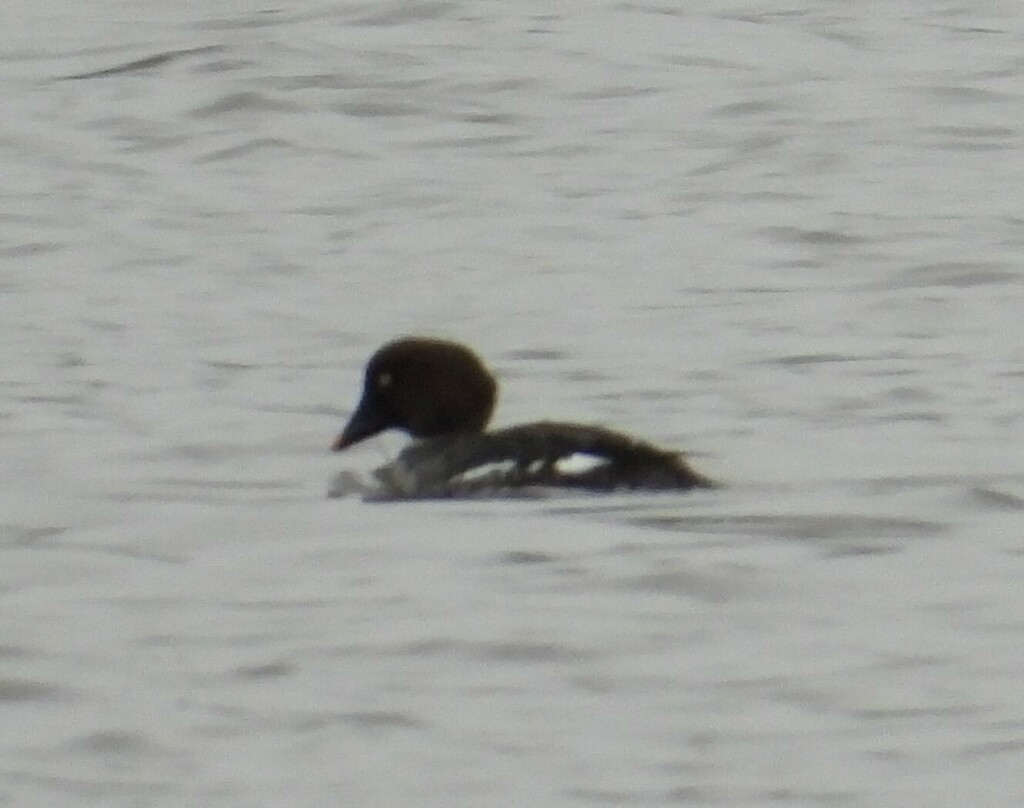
x=443 y=395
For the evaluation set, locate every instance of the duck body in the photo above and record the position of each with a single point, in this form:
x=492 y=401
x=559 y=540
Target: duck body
x=442 y=394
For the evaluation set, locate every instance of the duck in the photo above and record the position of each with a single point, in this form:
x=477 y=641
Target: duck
x=442 y=394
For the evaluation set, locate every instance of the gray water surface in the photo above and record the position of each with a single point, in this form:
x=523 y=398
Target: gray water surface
x=783 y=237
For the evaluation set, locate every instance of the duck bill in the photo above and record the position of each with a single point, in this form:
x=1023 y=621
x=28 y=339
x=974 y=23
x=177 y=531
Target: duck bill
x=364 y=423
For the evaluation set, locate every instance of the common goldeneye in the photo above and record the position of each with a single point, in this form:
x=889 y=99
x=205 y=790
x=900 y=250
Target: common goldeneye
x=442 y=394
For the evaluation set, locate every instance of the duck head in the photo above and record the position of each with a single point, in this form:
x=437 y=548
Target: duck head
x=425 y=387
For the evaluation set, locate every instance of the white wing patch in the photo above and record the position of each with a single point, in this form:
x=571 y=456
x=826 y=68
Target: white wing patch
x=579 y=463
x=497 y=470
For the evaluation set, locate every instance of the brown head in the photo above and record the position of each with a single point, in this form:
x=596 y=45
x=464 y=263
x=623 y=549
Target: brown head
x=426 y=387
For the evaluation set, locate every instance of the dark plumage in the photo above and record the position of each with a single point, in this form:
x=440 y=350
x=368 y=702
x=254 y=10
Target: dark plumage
x=441 y=393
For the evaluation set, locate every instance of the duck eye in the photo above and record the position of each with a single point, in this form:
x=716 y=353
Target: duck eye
x=383 y=380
